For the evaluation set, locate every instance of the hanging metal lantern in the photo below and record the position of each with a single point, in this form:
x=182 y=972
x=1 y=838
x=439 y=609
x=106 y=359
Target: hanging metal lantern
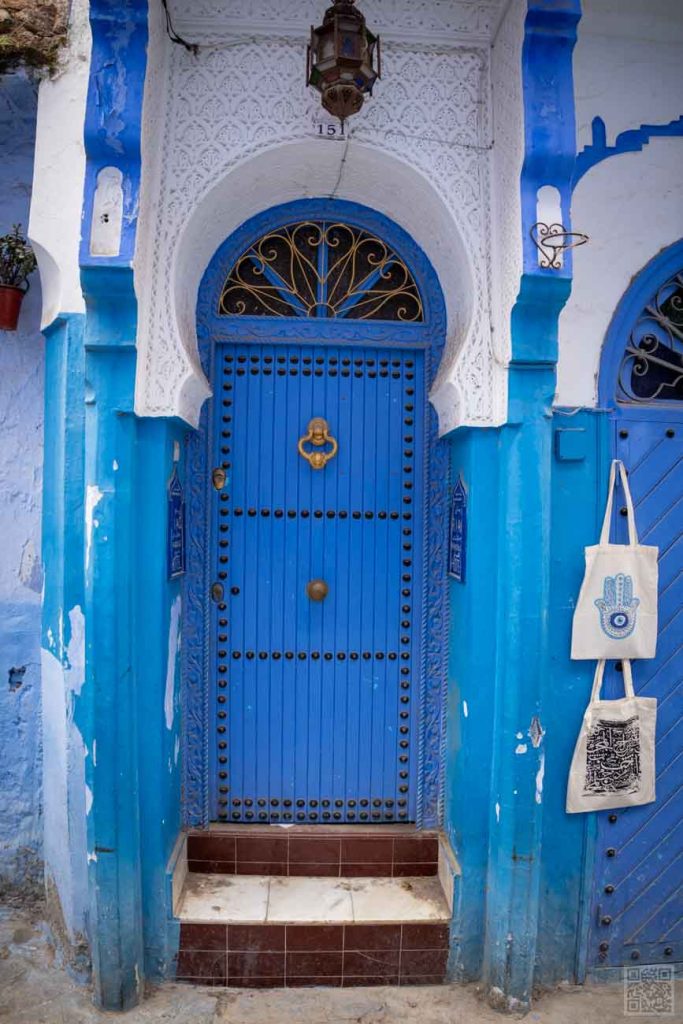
x=341 y=59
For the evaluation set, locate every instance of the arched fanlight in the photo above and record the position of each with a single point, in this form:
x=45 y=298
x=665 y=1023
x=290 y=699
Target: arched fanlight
x=341 y=59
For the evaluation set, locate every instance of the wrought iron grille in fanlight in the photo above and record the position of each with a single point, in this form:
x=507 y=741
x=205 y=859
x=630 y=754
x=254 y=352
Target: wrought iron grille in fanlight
x=318 y=269
x=652 y=365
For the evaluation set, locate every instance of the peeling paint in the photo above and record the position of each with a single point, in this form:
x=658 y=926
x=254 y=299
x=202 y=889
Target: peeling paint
x=521 y=748
x=16 y=677
x=92 y=858
x=115 y=465
x=75 y=651
x=539 y=777
x=65 y=796
x=88 y=799
x=536 y=731
x=94 y=752
x=176 y=750
x=173 y=648
x=465 y=709
x=30 y=567
x=498 y=812
x=93 y=496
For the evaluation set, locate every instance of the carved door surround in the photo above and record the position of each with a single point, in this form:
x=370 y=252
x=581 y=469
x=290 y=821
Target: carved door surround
x=426 y=335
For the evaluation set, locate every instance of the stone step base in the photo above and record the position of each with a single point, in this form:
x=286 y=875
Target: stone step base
x=269 y=931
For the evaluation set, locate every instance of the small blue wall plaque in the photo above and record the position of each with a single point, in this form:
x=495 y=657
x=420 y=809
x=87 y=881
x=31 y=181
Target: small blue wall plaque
x=457 y=541
x=175 y=552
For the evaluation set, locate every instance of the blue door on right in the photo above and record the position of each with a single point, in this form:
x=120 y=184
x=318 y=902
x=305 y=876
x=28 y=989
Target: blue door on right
x=637 y=904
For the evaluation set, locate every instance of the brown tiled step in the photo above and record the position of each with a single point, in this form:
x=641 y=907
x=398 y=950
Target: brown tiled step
x=263 y=956
x=390 y=852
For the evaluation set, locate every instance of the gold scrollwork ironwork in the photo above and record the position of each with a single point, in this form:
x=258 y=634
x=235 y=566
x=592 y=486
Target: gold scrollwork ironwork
x=318 y=434
x=316 y=269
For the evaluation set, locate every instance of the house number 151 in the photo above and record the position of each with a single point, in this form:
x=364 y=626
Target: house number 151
x=330 y=130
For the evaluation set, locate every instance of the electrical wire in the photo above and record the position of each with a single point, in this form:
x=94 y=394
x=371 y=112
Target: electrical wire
x=173 y=35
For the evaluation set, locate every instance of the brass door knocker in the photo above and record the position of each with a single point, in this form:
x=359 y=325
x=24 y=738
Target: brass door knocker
x=318 y=434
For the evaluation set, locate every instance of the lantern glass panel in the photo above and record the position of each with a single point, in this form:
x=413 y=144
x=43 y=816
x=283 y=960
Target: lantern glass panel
x=325 y=50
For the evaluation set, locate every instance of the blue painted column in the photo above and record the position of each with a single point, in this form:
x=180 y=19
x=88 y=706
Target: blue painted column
x=524 y=524
x=108 y=708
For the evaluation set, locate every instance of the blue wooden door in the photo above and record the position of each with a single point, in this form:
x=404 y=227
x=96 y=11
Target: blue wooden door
x=637 y=912
x=314 y=702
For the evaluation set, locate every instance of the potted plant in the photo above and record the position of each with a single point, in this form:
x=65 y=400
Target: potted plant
x=17 y=261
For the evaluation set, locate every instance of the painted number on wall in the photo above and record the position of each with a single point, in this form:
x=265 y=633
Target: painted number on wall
x=330 y=130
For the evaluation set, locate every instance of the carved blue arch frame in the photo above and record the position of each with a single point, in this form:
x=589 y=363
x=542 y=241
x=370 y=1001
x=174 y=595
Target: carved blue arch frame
x=429 y=334
x=633 y=301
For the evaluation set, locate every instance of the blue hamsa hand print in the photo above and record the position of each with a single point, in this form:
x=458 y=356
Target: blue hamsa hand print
x=617 y=606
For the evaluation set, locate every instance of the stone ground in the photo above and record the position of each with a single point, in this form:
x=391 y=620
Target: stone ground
x=34 y=989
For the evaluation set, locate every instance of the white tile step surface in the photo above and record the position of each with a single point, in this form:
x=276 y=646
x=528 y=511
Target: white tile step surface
x=264 y=899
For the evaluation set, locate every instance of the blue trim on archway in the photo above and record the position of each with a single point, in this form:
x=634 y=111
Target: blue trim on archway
x=432 y=331
x=635 y=298
x=431 y=334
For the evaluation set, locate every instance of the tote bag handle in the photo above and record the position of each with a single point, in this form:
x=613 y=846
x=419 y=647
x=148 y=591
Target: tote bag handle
x=599 y=673
x=632 y=533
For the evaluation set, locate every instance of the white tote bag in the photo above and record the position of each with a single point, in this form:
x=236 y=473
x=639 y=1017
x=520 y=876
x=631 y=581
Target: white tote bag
x=614 y=758
x=616 y=614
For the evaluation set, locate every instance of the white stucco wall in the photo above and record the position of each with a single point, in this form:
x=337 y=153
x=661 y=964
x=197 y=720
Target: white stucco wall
x=627 y=67
x=57 y=200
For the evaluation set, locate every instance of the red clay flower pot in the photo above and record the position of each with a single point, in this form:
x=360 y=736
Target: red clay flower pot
x=10 y=304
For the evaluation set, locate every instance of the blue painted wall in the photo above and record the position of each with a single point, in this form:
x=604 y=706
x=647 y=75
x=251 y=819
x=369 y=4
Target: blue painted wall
x=111 y=619
x=158 y=615
x=471 y=671
x=129 y=705
x=508 y=751
x=21 y=422
x=580 y=466
x=63 y=638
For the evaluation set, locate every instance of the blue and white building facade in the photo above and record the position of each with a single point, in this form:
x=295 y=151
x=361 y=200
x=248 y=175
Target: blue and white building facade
x=189 y=206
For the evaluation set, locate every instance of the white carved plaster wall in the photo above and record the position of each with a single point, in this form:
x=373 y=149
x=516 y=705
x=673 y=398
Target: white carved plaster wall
x=230 y=132
x=435 y=21
x=507 y=159
x=631 y=206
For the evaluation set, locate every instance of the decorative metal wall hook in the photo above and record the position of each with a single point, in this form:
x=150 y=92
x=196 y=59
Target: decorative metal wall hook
x=552 y=240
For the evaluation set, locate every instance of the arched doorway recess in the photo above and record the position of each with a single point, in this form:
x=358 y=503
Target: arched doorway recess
x=315 y=621
x=635 y=903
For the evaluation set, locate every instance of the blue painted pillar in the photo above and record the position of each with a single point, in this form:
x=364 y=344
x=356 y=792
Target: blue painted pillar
x=108 y=707
x=524 y=552
x=522 y=661
x=108 y=710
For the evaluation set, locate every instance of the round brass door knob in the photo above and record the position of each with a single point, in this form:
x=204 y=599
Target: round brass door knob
x=317 y=590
